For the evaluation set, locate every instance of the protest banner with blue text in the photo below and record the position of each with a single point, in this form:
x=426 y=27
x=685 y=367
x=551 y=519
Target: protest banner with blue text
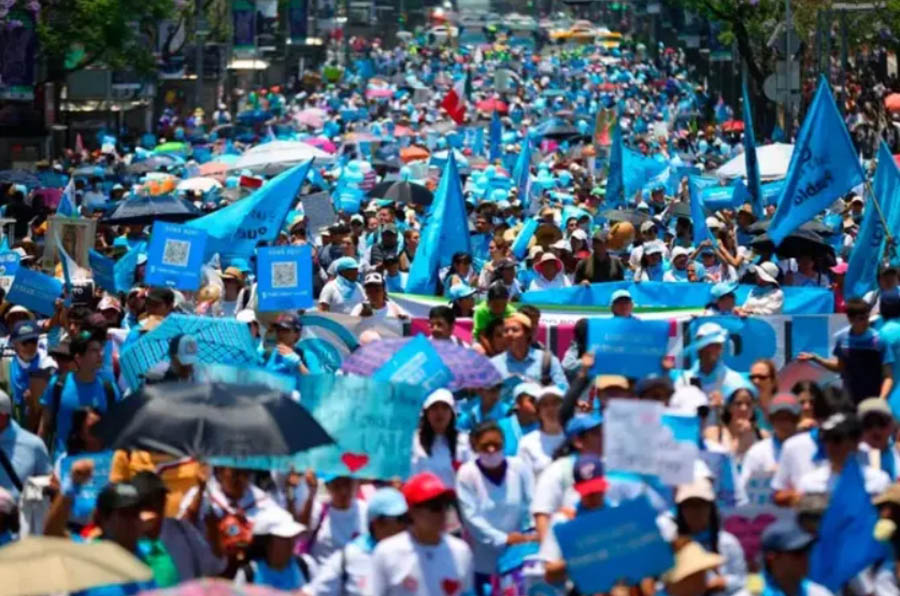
x=284 y=277
x=35 y=291
x=175 y=256
x=604 y=547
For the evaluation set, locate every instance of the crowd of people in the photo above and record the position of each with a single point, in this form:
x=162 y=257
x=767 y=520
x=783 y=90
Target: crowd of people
x=495 y=469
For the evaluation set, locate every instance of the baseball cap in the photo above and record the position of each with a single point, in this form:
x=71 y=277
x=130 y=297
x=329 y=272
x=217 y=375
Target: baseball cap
x=700 y=489
x=786 y=536
x=345 y=263
x=873 y=405
x=532 y=389
x=184 y=347
x=275 y=521
x=287 y=321
x=386 y=502
x=588 y=475
x=5 y=403
x=425 y=487
x=460 y=291
x=60 y=350
x=723 y=288
x=388 y=229
x=652 y=382
x=374 y=278
x=648 y=226
x=680 y=251
x=708 y=334
x=619 y=295
x=549 y=391
x=439 y=396
x=24 y=331
x=121 y=495
x=838 y=426
x=149 y=485
x=581 y=423
x=784 y=402
x=109 y=303
x=18 y=309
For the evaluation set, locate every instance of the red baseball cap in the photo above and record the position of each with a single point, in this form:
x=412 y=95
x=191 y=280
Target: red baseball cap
x=424 y=487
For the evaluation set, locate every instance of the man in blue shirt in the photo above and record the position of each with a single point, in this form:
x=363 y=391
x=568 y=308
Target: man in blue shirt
x=860 y=355
x=521 y=359
x=83 y=388
x=22 y=454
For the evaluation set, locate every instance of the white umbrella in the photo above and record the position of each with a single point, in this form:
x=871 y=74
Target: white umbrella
x=273 y=157
x=201 y=183
x=773 y=162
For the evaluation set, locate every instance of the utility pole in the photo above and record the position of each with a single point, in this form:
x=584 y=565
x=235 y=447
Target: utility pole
x=788 y=60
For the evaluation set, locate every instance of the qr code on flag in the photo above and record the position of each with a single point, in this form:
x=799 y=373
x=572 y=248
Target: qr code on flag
x=284 y=275
x=176 y=253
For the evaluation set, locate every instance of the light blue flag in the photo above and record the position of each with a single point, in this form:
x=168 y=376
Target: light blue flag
x=522 y=172
x=236 y=230
x=66 y=206
x=637 y=169
x=862 y=268
x=698 y=217
x=478 y=142
x=754 y=183
x=496 y=134
x=615 y=181
x=446 y=232
x=846 y=544
x=520 y=244
x=823 y=167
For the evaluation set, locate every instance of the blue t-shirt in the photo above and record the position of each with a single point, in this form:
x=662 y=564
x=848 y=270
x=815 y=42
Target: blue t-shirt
x=74 y=396
x=890 y=335
x=863 y=356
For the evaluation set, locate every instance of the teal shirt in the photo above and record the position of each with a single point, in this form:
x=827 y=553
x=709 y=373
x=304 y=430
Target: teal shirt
x=890 y=334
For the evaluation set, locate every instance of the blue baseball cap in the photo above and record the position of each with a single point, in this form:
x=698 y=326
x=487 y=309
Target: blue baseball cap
x=386 y=502
x=460 y=291
x=345 y=263
x=786 y=536
x=581 y=423
x=723 y=288
x=24 y=331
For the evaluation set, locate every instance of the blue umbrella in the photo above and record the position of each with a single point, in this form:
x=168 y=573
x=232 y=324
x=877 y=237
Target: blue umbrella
x=20 y=177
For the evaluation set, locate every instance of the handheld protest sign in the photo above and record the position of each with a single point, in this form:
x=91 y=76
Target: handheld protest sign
x=175 y=256
x=284 y=278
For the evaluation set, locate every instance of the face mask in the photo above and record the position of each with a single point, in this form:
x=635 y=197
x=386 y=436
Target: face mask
x=491 y=460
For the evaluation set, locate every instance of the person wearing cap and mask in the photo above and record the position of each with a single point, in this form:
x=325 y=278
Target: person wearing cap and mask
x=522 y=419
x=522 y=359
x=388 y=246
x=183 y=356
x=494 y=494
x=766 y=297
x=709 y=368
x=342 y=293
x=538 y=447
x=600 y=266
x=785 y=552
x=29 y=368
x=761 y=460
x=377 y=303
x=348 y=570
x=424 y=560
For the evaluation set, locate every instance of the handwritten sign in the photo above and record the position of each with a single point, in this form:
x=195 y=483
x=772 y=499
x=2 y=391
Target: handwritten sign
x=416 y=363
x=639 y=438
x=627 y=346
x=35 y=291
x=284 y=278
x=621 y=543
x=175 y=256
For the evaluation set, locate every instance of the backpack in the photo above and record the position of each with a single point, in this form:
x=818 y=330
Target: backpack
x=235 y=528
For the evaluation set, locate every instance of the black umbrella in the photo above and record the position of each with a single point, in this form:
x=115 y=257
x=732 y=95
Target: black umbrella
x=814 y=226
x=391 y=164
x=799 y=243
x=636 y=218
x=561 y=132
x=146 y=210
x=211 y=419
x=403 y=192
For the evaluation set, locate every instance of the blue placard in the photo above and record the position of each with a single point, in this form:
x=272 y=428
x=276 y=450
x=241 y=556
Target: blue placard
x=627 y=345
x=9 y=264
x=86 y=497
x=284 y=277
x=175 y=256
x=610 y=545
x=416 y=363
x=104 y=271
x=35 y=291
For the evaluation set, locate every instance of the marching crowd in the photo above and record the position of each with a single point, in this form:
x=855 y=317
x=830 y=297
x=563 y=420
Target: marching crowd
x=495 y=469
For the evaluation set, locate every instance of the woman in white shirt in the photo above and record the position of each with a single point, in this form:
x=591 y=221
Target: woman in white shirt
x=761 y=460
x=494 y=494
x=536 y=448
x=766 y=298
x=342 y=293
x=331 y=523
x=438 y=447
x=550 y=274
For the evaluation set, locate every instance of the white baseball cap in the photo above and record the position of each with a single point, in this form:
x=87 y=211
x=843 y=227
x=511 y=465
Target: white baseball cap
x=439 y=396
x=275 y=521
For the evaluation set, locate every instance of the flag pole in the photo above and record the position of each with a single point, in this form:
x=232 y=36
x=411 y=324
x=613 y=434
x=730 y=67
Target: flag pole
x=889 y=240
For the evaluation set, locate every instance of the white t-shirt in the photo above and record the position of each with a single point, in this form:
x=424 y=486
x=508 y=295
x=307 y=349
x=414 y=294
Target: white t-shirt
x=332 y=296
x=403 y=567
x=440 y=462
x=796 y=460
x=822 y=480
x=346 y=572
x=390 y=309
x=337 y=529
x=757 y=471
x=542 y=283
x=536 y=449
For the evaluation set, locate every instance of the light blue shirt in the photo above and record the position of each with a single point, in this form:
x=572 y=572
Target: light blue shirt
x=890 y=334
x=530 y=367
x=26 y=453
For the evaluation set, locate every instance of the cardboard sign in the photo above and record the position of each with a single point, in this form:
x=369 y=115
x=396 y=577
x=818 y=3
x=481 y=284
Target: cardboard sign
x=175 y=256
x=284 y=278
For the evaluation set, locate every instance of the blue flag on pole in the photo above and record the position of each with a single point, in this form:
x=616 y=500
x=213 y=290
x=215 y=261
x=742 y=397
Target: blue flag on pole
x=478 y=141
x=236 y=230
x=520 y=244
x=862 y=268
x=66 y=206
x=754 y=183
x=846 y=544
x=615 y=182
x=522 y=172
x=823 y=167
x=698 y=217
x=446 y=232
x=496 y=134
